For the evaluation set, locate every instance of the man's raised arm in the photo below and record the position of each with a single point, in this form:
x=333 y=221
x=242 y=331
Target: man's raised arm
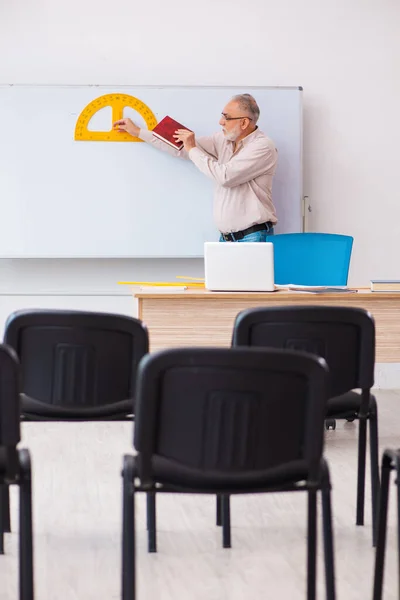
x=205 y=143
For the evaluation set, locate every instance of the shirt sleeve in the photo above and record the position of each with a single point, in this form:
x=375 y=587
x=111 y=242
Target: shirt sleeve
x=248 y=164
x=205 y=143
x=147 y=136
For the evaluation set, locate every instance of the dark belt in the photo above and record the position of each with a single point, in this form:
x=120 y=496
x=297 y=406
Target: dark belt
x=239 y=235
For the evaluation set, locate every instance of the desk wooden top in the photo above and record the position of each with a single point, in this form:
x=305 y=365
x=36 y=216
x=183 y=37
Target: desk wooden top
x=363 y=294
x=194 y=317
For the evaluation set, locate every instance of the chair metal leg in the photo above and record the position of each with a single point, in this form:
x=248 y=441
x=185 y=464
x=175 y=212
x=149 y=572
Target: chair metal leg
x=218 y=512
x=26 y=591
x=328 y=536
x=1 y=530
x=374 y=458
x=5 y=522
x=151 y=522
x=226 y=520
x=128 y=531
x=383 y=501
x=398 y=524
x=362 y=448
x=150 y=509
x=312 y=545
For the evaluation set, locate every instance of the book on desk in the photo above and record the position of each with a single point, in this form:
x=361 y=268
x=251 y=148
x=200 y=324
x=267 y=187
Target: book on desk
x=385 y=285
x=316 y=289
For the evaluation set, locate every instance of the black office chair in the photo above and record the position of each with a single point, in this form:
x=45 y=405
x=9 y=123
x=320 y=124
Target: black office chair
x=15 y=466
x=211 y=420
x=75 y=366
x=345 y=337
x=390 y=462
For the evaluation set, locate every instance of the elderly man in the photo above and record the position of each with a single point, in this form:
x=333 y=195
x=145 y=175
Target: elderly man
x=240 y=159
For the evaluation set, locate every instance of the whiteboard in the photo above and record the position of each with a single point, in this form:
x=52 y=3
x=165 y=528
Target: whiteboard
x=60 y=198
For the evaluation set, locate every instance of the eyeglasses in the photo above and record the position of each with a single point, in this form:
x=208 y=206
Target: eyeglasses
x=226 y=118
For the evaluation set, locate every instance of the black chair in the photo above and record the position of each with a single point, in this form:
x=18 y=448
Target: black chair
x=345 y=337
x=75 y=366
x=214 y=421
x=390 y=462
x=15 y=466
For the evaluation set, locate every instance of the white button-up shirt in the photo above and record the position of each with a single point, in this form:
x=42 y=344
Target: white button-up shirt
x=243 y=179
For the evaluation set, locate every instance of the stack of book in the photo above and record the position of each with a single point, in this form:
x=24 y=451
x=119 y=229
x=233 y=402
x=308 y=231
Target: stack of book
x=385 y=285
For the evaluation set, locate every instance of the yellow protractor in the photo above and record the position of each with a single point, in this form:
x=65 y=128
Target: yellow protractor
x=117 y=102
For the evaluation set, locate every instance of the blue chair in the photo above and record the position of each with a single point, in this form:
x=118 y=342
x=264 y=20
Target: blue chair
x=311 y=258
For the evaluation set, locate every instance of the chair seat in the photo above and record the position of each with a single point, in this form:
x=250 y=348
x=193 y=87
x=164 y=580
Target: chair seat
x=34 y=410
x=171 y=473
x=345 y=405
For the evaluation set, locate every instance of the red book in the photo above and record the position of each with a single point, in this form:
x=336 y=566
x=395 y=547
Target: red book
x=165 y=130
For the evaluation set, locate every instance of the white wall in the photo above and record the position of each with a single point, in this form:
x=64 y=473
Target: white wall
x=82 y=284
x=346 y=55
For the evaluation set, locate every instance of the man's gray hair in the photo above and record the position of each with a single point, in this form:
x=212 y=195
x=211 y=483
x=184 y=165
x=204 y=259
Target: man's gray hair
x=248 y=105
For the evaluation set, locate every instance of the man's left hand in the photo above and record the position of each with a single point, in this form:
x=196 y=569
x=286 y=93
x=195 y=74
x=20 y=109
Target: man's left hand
x=187 y=137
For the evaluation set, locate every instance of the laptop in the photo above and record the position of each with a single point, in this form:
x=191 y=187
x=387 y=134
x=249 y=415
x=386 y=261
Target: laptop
x=239 y=266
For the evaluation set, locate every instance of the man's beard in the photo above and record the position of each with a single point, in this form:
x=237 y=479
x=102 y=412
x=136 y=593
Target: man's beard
x=232 y=135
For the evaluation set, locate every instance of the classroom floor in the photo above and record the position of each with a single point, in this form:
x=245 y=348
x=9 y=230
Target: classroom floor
x=77 y=521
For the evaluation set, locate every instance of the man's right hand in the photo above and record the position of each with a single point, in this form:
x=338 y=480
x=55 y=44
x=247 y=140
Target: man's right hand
x=127 y=125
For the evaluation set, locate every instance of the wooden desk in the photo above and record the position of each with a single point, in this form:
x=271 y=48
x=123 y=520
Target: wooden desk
x=202 y=318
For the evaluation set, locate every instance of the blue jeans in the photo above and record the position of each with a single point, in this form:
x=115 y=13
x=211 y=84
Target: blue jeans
x=257 y=236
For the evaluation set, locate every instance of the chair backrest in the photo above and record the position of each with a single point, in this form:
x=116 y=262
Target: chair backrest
x=10 y=434
x=343 y=336
x=226 y=410
x=77 y=359
x=311 y=258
